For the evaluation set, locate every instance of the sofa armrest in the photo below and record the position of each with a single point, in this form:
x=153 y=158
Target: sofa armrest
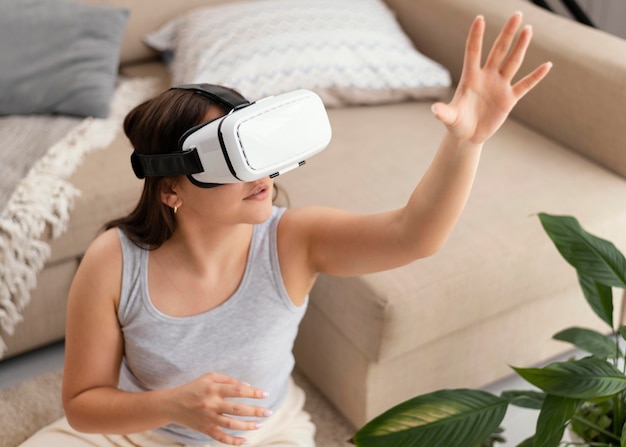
x=581 y=102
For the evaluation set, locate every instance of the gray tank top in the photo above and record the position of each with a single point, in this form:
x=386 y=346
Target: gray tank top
x=249 y=337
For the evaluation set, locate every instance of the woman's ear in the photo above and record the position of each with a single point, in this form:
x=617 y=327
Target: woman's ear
x=169 y=196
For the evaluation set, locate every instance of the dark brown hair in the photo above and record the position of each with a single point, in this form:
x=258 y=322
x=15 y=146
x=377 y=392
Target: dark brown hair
x=154 y=127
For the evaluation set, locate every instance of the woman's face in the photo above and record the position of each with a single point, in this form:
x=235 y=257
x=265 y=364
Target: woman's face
x=249 y=202
x=232 y=203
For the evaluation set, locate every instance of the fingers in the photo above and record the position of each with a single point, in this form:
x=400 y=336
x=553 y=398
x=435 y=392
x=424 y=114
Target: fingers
x=242 y=410
x=515 y=59
x=529 y=81
x=210 y=404
x=444 y=113
x=242 y=390
x=485 y=95
x=221 y=378
x=226 y=420
x=505 y=60
x=474 y=45
x=231 y=423
x=503 y=42
x=223 y=438
x=231 y=387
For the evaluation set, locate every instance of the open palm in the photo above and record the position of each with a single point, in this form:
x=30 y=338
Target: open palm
x=486 y=95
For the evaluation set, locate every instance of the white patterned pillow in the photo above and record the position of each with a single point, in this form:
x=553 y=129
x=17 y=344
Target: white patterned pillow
x=348 y=51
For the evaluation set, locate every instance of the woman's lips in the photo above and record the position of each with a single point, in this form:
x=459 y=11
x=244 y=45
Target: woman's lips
x=260 y=193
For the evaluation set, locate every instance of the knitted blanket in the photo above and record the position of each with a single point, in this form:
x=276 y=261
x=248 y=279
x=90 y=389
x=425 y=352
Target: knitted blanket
x=37 y=156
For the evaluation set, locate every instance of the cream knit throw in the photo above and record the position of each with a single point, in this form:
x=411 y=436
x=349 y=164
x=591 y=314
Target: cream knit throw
x=41 y=202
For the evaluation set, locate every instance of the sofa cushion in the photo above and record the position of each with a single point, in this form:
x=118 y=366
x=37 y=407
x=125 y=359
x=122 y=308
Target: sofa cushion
x=498 y=257
x=145 y=17
x=349 y=52
x=58 y=56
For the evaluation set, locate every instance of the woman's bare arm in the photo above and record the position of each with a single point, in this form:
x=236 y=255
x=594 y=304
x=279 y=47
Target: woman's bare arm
x=93 y=355
x=342 y=243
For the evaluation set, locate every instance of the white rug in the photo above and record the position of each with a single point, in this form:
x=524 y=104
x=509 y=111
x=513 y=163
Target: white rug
x=27 y=407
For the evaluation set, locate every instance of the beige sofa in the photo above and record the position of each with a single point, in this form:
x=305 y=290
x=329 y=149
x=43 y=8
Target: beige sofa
x=497 y=291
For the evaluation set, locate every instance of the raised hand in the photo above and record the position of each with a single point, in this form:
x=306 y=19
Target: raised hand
x=202 y=405
x=485 y=95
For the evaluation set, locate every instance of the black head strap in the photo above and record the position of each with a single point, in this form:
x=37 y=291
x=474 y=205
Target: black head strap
x=226 y=97
x=185 y=162
x=175 y=163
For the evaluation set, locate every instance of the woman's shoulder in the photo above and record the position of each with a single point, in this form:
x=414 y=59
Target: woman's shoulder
x=107 y=242
x=104 y=252
x=99 y=273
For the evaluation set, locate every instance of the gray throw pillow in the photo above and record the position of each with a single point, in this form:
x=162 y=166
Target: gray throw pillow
x=58 y=57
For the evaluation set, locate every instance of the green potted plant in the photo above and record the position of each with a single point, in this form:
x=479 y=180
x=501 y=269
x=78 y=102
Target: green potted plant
x=586 y=394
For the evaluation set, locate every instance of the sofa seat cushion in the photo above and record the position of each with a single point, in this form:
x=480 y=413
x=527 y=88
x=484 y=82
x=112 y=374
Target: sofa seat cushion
x=498 y=254
x=44 y=317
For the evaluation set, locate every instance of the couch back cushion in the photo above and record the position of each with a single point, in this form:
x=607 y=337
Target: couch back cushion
x=146 y=16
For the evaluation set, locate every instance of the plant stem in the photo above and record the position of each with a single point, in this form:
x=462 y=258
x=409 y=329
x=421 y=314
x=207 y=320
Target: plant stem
x=595 y=427
x=618 y=399
x=617 y=350
x=617 y=413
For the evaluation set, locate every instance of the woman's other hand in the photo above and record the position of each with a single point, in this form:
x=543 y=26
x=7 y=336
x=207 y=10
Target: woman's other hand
x=486 y=95
x=203 y=405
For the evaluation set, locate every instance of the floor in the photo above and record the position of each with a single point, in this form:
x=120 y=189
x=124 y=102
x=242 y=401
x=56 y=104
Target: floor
x=27 y=366
x=518 y=423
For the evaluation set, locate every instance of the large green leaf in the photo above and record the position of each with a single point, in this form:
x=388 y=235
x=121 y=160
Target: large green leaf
x=580 y=379
x=600 y=345
x=622 y=332
x=591 y=255
x=599 y=297
x=525 y=399
x=444 y=418
x=528 y=442
x=553 y=418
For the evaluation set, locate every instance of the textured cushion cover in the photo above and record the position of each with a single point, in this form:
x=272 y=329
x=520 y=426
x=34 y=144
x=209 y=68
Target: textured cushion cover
x=58 y=56
x=349 y=52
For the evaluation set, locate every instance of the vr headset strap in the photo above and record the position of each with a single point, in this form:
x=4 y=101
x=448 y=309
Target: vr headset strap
x=175 y=163
x=225 y=97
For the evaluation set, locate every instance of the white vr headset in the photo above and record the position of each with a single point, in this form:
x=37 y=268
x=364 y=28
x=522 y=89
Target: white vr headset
x=253 y=140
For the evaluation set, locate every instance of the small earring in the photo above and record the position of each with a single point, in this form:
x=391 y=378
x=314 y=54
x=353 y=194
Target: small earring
x=175 y=209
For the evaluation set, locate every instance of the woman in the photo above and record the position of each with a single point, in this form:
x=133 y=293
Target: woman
x=182 y=315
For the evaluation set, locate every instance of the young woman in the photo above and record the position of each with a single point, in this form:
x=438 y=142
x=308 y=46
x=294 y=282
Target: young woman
x=182 y=315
